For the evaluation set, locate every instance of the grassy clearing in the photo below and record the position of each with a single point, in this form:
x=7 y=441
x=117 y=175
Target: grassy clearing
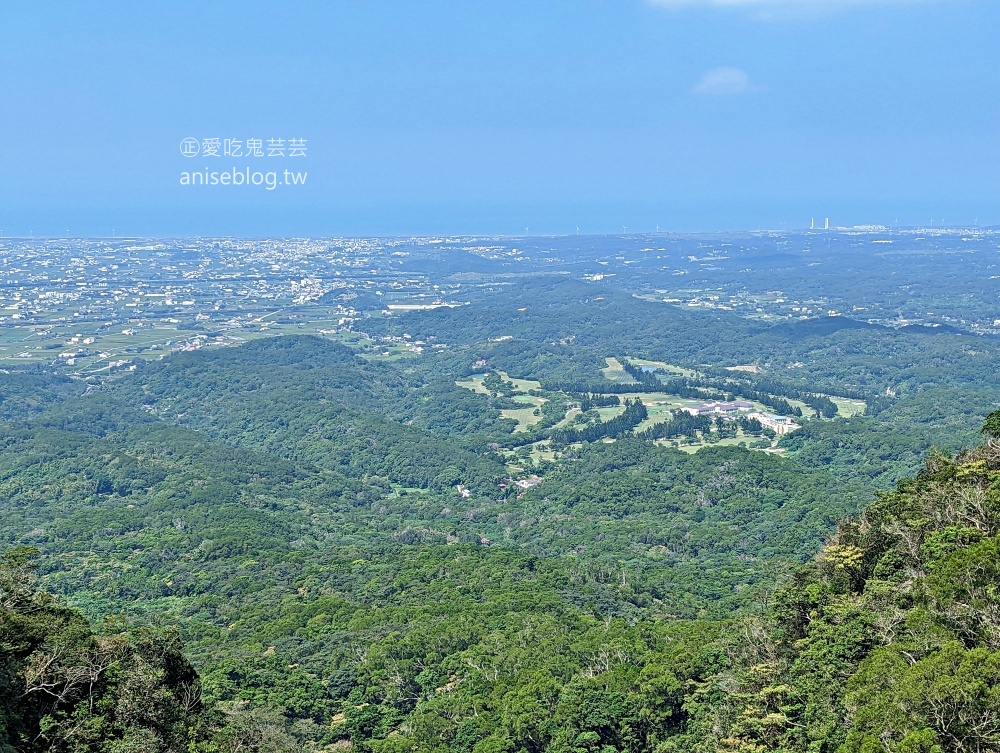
x=727 y=442
x=848 y=408
x=525 y=416
x=607 y=414
x=570 y=415
x=656 y=416
x=530 y=400
x=521 y=385
x=400 y=490
x=540 y=451
x=474 y=383
x=806 y=410
x=660 y=407
x=615 y=372
x=662 y=398
x=679 y=370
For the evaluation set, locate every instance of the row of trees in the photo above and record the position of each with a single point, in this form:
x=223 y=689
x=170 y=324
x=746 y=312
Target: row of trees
x=590 y=400
x=633 y=415
x=683 y=424
x=770 y=392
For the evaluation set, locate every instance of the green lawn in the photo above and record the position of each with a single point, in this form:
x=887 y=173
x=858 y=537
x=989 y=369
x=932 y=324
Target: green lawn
x=525 y=416
x=614 y=372
x=679 y=370
x=847 y=407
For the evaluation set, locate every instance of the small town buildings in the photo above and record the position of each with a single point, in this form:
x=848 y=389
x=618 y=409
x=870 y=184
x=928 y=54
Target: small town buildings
x=720 y=408
x=778 y=424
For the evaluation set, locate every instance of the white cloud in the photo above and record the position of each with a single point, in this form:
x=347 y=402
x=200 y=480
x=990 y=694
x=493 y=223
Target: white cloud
x=723 y=82
x=788 y=9
x=761 y=3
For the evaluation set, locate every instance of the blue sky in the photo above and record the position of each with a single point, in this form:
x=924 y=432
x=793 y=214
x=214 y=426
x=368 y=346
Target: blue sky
x=489 y=117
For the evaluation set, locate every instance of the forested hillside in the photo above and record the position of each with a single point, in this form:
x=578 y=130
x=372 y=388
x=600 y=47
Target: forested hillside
x=559 y=331
x=396 y=377
x=551 y=321
x=495 y=546
x=889 y=640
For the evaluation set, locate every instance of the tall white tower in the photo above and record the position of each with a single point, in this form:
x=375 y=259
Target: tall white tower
x=827 y=225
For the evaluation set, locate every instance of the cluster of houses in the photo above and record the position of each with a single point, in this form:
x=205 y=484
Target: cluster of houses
x=779 y=424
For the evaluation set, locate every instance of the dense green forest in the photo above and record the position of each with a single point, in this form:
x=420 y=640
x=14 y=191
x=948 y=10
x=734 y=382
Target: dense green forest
x=295 y=545
x=887 y=640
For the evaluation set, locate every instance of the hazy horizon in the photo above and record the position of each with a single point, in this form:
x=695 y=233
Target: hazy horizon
x=437 y=118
